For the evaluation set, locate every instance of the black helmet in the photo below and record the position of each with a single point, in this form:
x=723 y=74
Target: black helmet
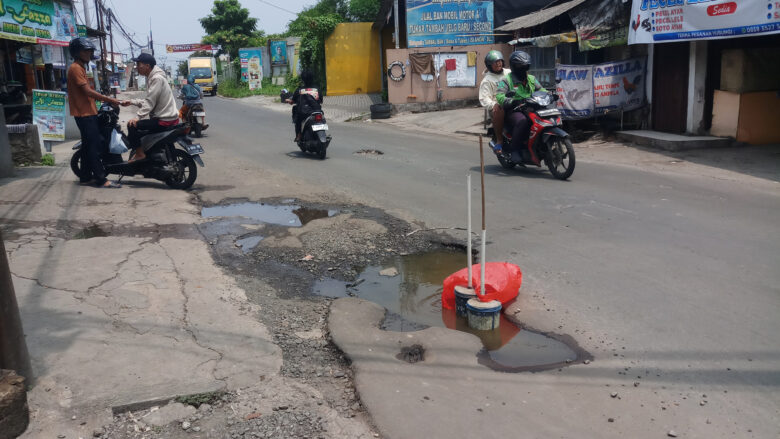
x=307 y=78
x=491 y=57
x=81 y=43
x=520 y=62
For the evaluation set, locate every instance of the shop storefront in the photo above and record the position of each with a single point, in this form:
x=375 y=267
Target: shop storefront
x=33 y=51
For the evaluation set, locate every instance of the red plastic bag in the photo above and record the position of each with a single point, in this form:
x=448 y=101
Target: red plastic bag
x=502 y=283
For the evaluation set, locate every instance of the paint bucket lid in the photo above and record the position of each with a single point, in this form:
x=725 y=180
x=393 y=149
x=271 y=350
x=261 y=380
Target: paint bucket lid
x=464 y=291
x=490 y=306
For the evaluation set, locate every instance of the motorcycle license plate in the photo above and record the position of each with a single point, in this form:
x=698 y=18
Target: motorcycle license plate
x=199 y=114
x=319 y=127
x=194 y=149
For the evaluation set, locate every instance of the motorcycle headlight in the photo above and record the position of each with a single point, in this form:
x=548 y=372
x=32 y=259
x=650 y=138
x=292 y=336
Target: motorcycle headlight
x=543 y=100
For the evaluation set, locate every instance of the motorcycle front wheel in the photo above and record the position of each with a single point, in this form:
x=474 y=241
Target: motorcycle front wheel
x=186 y=171
x=560 y=157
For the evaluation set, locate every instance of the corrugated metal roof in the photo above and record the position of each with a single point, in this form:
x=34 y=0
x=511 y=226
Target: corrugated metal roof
x=539 y=17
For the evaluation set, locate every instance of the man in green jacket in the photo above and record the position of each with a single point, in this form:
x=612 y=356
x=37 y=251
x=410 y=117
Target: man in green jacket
x=523 y=85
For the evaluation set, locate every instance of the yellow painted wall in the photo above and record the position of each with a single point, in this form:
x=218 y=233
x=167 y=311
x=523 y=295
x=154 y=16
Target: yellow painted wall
x=352 y=64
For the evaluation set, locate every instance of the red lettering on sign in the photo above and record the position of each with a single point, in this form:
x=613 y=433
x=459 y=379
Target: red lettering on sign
x=721 y=9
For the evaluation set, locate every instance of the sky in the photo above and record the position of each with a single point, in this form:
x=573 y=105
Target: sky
x=176 y=21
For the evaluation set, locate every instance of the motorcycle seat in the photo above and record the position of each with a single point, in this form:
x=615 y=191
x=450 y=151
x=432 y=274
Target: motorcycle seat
x=149 y=140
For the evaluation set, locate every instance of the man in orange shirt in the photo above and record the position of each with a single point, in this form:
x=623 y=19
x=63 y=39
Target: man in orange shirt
x=82 y=107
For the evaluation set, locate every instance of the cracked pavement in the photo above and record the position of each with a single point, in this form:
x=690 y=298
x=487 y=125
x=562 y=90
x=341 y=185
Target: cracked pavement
x=121 y=320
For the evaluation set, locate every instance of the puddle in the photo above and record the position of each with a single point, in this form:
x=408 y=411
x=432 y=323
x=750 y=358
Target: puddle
x=248 y=243
x=284 y=215
x=93 y=231
x=413 y=302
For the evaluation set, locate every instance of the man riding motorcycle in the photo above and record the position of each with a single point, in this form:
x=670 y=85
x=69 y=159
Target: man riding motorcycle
x=495 y=72
x=307 y=99
x=190 y=94
x=523 y=85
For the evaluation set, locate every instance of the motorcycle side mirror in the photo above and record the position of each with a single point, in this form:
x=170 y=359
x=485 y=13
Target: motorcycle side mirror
x=558 y=80
x=285 y=91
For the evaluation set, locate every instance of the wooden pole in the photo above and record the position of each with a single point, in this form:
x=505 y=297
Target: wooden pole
x=469 y=262
x=482 y=258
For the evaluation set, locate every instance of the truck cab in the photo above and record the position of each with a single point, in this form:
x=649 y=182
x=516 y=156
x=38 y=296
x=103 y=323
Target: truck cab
x=204 y=69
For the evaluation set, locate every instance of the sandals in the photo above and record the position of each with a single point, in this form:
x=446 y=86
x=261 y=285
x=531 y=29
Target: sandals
x=110 y=185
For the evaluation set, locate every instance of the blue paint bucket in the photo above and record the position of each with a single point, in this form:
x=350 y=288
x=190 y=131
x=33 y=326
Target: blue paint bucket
x=483 y=316
x=462 y=295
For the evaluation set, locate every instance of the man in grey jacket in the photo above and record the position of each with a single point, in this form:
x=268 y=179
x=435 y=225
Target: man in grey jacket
x=158 y=110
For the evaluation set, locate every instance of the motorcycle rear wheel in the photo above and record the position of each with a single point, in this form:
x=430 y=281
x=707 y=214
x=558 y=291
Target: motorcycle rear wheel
x=322 y=151
x=560 y=157
x=197 y=128
x=187 y=171
x=76 y=162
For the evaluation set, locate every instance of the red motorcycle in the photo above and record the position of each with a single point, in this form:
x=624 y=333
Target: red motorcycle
x=547 y=141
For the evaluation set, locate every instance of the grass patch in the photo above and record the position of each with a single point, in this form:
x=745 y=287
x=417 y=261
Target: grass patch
x=47 y=160
x=200 y=398
x=235 y=89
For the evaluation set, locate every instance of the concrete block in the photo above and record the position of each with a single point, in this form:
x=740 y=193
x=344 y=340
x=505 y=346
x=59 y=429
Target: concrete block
x=672 y=142
x=26 y=146
x=14 y=412
x=6 y=158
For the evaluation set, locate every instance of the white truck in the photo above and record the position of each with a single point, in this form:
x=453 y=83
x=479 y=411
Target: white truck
x=204 y=69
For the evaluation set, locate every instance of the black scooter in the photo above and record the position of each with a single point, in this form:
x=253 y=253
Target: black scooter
x=315 y=136
x=164 y=161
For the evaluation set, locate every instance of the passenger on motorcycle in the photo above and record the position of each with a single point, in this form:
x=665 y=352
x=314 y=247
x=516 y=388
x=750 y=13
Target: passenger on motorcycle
x=307 y=99
x=523 y=85
x=190 y=95
x=495 y=72
x=158 y=109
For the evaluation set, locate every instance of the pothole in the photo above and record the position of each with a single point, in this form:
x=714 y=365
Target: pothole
x=369 y=152
x=412 y=354
x=91 y=231
x=247 y=244
x=413 y=302
x=290 y=215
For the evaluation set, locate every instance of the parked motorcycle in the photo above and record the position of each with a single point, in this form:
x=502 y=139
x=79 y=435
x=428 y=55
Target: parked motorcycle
x=547 y=141
x=315 y=136
x=171 y=155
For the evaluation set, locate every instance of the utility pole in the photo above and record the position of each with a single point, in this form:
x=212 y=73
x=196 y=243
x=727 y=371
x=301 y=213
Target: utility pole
x=111 y=33
x=13 y=348
x=101 y=27
x=151 y=38
x=87 y=18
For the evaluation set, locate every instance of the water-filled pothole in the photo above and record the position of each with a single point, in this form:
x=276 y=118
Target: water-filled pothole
x=284 y=215
x=413 y=302
x=248 y=243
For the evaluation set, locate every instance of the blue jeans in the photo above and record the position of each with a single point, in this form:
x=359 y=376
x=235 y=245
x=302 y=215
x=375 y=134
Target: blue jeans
x=92 y=143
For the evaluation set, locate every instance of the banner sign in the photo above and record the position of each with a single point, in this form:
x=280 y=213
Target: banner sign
x=37 y=21
x=601 y=23
x=432 y=23
x=278 y=52
x=592 y=90
x=171 y=48
x=252 y=66
x=659 y=21
x=49 y=113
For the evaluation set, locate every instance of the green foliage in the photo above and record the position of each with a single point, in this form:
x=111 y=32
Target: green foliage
x=363 y=10
x=314 y=30
x=233 y=88
x=201 y=53
x=291 y=82
x=230 y=26
x=200 y=398
x=47 y=160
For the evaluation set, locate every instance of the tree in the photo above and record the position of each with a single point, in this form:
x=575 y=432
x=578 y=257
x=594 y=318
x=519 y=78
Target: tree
x=182 y=70
x=363 y=10
x=230 y=26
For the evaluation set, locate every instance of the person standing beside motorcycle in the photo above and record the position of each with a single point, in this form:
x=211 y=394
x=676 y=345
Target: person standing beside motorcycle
x=495 y=72
x=158 y=110
x=523 y=85
x=190 y=95
x=307 y=99
x=81 y=98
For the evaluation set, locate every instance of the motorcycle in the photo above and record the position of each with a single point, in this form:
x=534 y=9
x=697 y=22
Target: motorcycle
x=195 y=119
x=546 y=142
x=315 y=136
x=174 y=166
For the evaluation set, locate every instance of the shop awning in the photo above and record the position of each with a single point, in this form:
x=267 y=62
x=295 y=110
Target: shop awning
x=547 y=40
x=539 y=17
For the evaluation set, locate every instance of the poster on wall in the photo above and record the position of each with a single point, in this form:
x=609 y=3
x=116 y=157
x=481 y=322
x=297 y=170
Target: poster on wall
x=278 y=53
x=49 y=113
x=251 y=67
x=458 y=72
x=575 y=91
x=39 y=21
x=601 y=23
x=654 y=21
x=592 y=90
x=432 y=23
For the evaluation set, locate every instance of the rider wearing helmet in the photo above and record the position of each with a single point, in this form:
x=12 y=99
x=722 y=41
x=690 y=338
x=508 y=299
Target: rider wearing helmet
x=523 y=86
x=307 y=99
x=190 y=95
x=81 y=98
x=494 y=73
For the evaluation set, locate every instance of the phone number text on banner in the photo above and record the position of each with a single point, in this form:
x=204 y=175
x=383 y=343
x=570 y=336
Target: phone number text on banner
x=432 y=23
